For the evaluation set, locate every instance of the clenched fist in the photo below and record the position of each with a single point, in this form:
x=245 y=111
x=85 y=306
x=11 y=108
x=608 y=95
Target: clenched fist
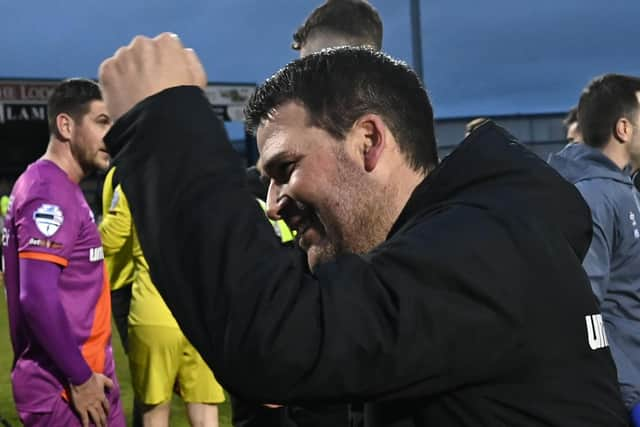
x=145 y=67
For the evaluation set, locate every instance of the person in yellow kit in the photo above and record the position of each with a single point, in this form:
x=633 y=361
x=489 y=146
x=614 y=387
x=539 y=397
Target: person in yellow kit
x=118 y=259
x=160 y=357
x=279 y=227
x=4 y=204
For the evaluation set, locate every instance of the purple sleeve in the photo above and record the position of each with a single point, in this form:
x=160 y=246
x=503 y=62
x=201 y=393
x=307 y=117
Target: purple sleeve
x=47 y=222
x=46 y=317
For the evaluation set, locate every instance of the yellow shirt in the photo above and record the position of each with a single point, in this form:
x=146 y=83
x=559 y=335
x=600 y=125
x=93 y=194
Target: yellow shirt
x=147 y=306
x=279 y=226
x=118 y=250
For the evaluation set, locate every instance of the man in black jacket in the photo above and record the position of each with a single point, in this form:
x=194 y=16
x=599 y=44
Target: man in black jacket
x=441 y=295
x=333 y=23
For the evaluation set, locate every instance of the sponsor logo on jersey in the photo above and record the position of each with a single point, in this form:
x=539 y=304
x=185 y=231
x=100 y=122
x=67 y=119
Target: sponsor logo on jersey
x=48 y=219
x=115 y=199
x=96 y=254
x=596 y=334
x=634 y=224
x=44 y=243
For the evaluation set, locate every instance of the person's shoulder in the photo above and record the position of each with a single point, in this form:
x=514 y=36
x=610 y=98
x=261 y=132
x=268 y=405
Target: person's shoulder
x=437 y=241
x=118 y=203
x=107 y=185
x=46 y=176
x=604 y=195
x=601 y=190
x=445 y=227
x=32 y=184
x=46 y=185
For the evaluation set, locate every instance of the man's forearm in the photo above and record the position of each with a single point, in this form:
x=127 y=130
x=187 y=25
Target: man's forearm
x=47 y=319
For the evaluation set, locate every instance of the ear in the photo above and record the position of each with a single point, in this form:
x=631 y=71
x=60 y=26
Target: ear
x=372 y=132
x=623 y=130
x=64 y=125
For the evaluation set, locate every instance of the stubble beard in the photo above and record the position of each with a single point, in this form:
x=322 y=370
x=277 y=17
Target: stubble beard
x=358 y=216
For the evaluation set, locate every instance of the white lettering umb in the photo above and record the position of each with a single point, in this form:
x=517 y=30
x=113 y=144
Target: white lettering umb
x=596 y=334
x=96 y=254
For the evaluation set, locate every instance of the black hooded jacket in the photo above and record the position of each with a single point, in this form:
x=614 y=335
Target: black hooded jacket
x=473 y=312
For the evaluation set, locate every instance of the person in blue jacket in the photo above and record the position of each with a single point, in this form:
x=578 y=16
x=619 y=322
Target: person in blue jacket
x=609 y=117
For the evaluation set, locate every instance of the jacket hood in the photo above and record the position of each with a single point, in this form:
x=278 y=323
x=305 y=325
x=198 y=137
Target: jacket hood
x=577 y=162
x=492 y=171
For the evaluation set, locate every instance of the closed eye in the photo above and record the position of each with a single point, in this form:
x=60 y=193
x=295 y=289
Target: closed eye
x=287 y=169
x=279 y=167
x=283 y=171
x=103 y=119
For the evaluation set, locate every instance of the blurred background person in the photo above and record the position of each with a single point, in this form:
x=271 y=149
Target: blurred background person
x=339 y=23
x=609 y=118
x=572 y=126
x=118 y=259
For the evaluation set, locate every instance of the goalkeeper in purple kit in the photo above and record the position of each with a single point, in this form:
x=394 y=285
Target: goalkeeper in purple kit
x=57 y=288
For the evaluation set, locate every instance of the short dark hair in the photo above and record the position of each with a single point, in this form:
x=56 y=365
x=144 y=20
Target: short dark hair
x=603 y=102
x=337 y=86
x=355 y=19
x=475 y=124
x=571 y=117
x=72 y=97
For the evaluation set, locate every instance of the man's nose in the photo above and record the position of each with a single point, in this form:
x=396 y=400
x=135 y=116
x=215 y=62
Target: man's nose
x=274 y=201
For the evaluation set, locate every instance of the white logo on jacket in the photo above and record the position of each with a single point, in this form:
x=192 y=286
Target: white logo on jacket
x=115 y=199
x=96 y=254
x=634 y=224
x=48 y=219
x=595 y=332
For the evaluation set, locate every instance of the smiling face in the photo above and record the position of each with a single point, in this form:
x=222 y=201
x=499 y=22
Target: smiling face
x=343 y=149
x=86 y=138
x=318 y=186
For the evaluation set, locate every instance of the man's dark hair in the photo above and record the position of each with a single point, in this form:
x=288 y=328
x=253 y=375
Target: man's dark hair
x=603 y=102
x=355 y=20
x=338 y=86
x=474 y=124
x=571 y=117
x=71 y=97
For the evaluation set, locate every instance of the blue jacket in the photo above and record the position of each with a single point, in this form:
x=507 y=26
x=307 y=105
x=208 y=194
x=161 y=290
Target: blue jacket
x=613 y=260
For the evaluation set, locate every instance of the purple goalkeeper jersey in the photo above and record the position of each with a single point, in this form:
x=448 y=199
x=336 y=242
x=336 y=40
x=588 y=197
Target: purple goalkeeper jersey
x=49 y=220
